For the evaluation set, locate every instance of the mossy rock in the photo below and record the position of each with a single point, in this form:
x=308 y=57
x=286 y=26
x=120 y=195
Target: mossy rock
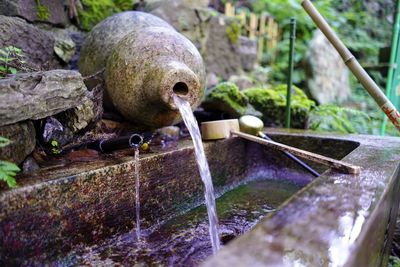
x=94 y=11
x=226 y=97
x=271 y=102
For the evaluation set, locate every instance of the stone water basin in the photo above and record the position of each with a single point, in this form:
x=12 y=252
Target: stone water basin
x=83 y=213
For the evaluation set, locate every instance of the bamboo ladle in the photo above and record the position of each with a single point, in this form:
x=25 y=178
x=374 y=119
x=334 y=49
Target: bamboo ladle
x=250 y=126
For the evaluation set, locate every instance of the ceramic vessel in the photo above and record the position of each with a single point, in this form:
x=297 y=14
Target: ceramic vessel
x=145 y=61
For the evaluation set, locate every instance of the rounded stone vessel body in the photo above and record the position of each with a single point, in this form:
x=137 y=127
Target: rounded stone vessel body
x=146 y=61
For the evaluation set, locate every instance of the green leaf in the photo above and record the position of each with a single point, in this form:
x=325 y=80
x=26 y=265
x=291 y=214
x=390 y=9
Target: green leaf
x=4 y=142
x=13 y=70
x=8 y=171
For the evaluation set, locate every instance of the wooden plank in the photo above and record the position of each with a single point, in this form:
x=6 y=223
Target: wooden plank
x=260 y=45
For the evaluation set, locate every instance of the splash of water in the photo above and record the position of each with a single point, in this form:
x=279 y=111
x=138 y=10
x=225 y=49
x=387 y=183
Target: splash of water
x=137 y=192
x=191 y=124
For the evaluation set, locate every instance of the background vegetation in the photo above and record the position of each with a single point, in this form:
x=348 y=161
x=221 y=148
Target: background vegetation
x=364 y=26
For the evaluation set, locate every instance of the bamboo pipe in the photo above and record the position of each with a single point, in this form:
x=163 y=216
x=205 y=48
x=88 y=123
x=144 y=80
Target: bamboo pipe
x=373 y=89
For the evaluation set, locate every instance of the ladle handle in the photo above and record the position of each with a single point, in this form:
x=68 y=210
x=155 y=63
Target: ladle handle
x=333 y=163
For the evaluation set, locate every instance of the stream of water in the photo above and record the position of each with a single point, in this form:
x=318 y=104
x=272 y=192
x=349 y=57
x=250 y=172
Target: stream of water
x=137 y=192
x=191 y=124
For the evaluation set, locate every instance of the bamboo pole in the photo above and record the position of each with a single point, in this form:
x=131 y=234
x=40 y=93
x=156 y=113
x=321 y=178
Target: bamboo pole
x=242 y=18
x=274 y=41
x=333 y=163
x=269 y=34
x=253 y=26
x=290 y=72
x=260 y=45
x=355 y=67
x=392 y=64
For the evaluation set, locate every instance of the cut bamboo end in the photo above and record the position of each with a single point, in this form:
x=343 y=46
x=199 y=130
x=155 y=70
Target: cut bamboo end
x=214 y=130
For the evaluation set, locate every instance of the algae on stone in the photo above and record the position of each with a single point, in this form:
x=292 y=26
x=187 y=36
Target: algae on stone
x=271 y=102
x=227 y=97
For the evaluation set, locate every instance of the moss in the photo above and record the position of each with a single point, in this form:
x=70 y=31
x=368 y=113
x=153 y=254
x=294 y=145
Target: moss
x=42 y=11
x=271 y=102
x=226 y=97
x=94 y=11
x=233 y=31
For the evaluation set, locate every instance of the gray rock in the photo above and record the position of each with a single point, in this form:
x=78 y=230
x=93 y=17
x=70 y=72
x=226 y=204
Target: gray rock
x=64 y=45
x=39 y=94
x=51 y=11
x=29 y=165
x=80 y=117
x=169 y=132
x=260 y=75
x=211 y=80
x=222 y=55
x=208 y=30
x=54 y=135
x=22 y=137
x=248 y=53
x=85 y=115
x=37 y=45
x=242 y=81
x=327 y=75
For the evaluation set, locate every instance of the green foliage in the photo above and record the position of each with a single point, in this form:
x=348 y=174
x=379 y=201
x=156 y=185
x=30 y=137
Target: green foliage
x=94 y=11
x=11 y=59
x=271 y=102
x=394 y=262
x=362 y=30
x=42 y=11
x=8 y=170
x=233 y=31
x=333 y=118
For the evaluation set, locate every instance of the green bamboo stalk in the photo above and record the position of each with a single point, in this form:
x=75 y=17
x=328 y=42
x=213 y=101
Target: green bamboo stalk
x=290 y=72
x=392 y=63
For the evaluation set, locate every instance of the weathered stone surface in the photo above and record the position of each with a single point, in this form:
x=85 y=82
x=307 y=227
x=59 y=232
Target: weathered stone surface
x=216 y=36
x=211 y=80
x=327 y=75
x=29 y=165
x=64 y=46
x=101 y=41
x=80 y=117
x=170 y=132
x=86 y=114
x=51 y=11
x=145 y=67
x=54 y=135
x=223 y=52
x=242 y=81
x=260 y=75
x=36 y=44
x=227 y=98
x=22 y=137
x=248 y=53
x=39 y=94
